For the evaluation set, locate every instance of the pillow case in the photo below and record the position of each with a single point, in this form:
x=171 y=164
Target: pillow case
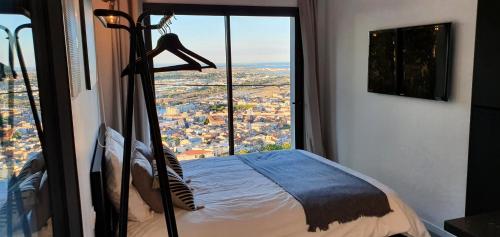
x=138 y=210
x=170 y=157
x=41 y=212
x=116 y=136
x=34 y=164
x=172 y=162
x=29 y=190
x=143 y=177
x=182 y=195
x=144 y=150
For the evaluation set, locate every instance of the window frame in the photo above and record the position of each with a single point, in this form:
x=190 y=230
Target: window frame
x=55 y=107
x=297 y=70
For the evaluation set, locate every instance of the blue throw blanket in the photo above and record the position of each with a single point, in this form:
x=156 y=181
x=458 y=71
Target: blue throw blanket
x=326 y=193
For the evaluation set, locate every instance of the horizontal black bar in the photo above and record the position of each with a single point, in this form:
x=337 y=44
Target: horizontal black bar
x=485 y=107
x=222 y=10
x=17 y=7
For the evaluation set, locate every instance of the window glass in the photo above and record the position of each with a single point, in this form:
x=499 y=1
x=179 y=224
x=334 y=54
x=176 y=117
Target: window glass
x=24 y=194
x=192 y=105
x=261 y=52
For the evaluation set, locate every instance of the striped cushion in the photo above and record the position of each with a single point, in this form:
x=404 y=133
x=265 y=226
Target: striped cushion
x=182 y=196
x=170 y=157
x=172 y=162
x=34 y=164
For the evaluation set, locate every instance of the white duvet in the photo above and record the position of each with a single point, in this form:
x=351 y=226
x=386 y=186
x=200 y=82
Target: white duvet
x=240 y=202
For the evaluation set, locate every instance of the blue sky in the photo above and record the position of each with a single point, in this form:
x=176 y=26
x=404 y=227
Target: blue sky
x=254 y=39
x=26 y=39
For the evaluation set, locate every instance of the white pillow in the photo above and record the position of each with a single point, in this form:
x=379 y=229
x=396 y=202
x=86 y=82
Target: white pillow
x=138 y=210
x=115 y=135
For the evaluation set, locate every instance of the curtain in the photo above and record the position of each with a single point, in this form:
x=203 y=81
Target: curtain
x=313 y=137
x=113 y=50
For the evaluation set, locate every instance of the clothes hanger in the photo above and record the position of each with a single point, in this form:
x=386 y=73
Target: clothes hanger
x=170 y=42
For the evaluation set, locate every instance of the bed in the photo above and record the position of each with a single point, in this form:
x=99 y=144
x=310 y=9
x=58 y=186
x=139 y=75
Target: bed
x=239 y=201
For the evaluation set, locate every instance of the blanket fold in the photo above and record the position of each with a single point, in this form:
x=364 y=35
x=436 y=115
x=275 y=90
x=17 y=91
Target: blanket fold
x=326 y=193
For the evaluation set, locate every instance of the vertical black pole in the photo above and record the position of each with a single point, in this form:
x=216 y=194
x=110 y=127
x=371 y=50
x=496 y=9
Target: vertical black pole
x=147 y=86
x=229 y=72
x=123 y=220
x=299 y=87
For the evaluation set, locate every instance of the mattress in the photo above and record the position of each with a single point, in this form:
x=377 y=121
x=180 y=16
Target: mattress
x=238 y=201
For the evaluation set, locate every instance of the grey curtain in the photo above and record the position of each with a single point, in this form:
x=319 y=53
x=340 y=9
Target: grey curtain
x=113 y=50
x=313 y=137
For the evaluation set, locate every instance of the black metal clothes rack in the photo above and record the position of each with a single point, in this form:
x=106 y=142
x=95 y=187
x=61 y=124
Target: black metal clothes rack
x=14 y=194
x=29 y=90
x=10 y=39
x=138 y=50
x=10 y=86
x=14 y=43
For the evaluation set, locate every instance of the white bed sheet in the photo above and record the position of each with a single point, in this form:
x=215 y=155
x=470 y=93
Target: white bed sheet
x=240 y=202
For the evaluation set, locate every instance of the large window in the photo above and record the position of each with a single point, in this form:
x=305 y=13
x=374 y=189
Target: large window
x=246 y=104
x=19 y=140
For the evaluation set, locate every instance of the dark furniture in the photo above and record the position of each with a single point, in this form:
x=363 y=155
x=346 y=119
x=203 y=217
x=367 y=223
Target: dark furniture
x=484 y=225
x=106 y=216
x=483 y=174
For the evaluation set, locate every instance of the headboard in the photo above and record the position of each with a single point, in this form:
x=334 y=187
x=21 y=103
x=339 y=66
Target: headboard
x=106 y=216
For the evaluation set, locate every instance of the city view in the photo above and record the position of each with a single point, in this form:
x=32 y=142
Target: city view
x=193 y=106
x=18 y=136
x=193 y=110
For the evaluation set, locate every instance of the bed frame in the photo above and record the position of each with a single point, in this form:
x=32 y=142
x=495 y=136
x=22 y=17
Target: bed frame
x=106 y=217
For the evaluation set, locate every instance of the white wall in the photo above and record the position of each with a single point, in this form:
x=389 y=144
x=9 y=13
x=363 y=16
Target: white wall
x=86 y=121
x=415 y=146
x=268 y=3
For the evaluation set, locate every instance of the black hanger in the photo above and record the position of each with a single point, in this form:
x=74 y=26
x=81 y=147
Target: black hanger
x=191 y=53
x=171 y=43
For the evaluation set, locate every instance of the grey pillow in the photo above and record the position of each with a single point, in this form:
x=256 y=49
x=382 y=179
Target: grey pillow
x=41 y=212
x=34 y=164
x=142 y=179
x=144 y=150
x=170 y=157
x=29 y=190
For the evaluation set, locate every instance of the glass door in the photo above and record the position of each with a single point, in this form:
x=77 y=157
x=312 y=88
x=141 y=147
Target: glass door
x=192 y=105
x=24 y=193
x=261 y=62
x=251 y=102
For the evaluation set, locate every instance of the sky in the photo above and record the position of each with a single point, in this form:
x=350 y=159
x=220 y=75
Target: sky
x=26 y=40
x=253 y=39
